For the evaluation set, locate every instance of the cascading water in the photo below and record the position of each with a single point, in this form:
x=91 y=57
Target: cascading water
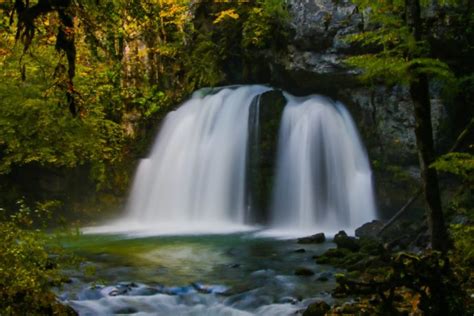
x=194 y=181
x=323 y=177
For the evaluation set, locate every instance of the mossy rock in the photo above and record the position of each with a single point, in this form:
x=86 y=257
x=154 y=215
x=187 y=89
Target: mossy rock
x=334 y=256
x=319 y=308
x=371 y=246
x=343 y=241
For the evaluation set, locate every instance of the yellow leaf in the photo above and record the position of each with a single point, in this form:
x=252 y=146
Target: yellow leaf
x=225 y=15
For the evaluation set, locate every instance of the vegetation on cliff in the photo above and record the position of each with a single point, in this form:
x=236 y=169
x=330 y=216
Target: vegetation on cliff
x=89 y=93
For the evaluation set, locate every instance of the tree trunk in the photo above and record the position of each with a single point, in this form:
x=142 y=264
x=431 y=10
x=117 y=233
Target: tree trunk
x=424 y=142
x=419 y=91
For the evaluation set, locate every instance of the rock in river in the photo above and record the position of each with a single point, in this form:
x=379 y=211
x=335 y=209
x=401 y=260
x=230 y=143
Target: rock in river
x=313 y=239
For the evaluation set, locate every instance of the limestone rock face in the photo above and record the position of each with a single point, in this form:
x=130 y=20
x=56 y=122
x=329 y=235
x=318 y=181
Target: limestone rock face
x=316 y=49
x=314 y=63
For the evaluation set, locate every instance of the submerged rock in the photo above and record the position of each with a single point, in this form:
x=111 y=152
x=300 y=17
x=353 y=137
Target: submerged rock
x=300 y=250
x=145 y=291
x=214 y=289
x=319 y=308
x=91 y=293
x=324 y=276
x=180 y=290
x=248 y=300
x=288 y=300
x=313 y=239
x=126 y=310
x=302 y=271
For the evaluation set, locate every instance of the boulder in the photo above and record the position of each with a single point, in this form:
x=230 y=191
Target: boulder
x=302 y=271
x=343 y=241
x=313 y=239
x=324 y=276
x=319 y=308
x=300 y=250
x=369 y=230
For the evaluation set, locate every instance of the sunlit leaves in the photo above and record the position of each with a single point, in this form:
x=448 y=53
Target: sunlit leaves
x=35 y=129
x=460 y=164
x=29 y=265
x=226 y=14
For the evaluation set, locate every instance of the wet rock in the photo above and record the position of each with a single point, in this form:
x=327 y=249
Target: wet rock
x=234 y=265
x=248 y=300
x=180 y=290
x=322 y=279
x=302 y=271
x=91 y=293
x=340 y=257
x=335 y=253
x=343 y=241
x=263 y=273
x=319 y=308
x=288 y=300
x=300 y=250
x=369 y=230
x=66 y=310
x=208 y=289
x=63 y=296
x=371 y=246
x=313 y=239
x=366 y=263
x=145 y=291
x=126 y=310
x=122 y=288
x=264 y=122
x=66 y=280
x=324 y=276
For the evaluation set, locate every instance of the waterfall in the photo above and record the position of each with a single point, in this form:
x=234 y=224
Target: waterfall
x=206 y=169
x=323 y=177
x=194 y=178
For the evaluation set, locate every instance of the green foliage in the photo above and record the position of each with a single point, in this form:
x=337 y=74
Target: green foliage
x=463 y=254
x=35 y=127
x=203 y=66
x=463 y=236
x=398 y=56
x=135 y=60
x=266 y=22
x=29 y=265
x=460 y=164
x=407 y=283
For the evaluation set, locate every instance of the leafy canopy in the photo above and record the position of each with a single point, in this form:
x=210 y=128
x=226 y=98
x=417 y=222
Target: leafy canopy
x=394 y=54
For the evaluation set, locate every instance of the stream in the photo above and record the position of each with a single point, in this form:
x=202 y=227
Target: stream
x=233 y=274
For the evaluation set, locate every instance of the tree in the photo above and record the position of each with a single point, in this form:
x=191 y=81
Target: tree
x=131 y=62
x=396 y=35
x=25 y=31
